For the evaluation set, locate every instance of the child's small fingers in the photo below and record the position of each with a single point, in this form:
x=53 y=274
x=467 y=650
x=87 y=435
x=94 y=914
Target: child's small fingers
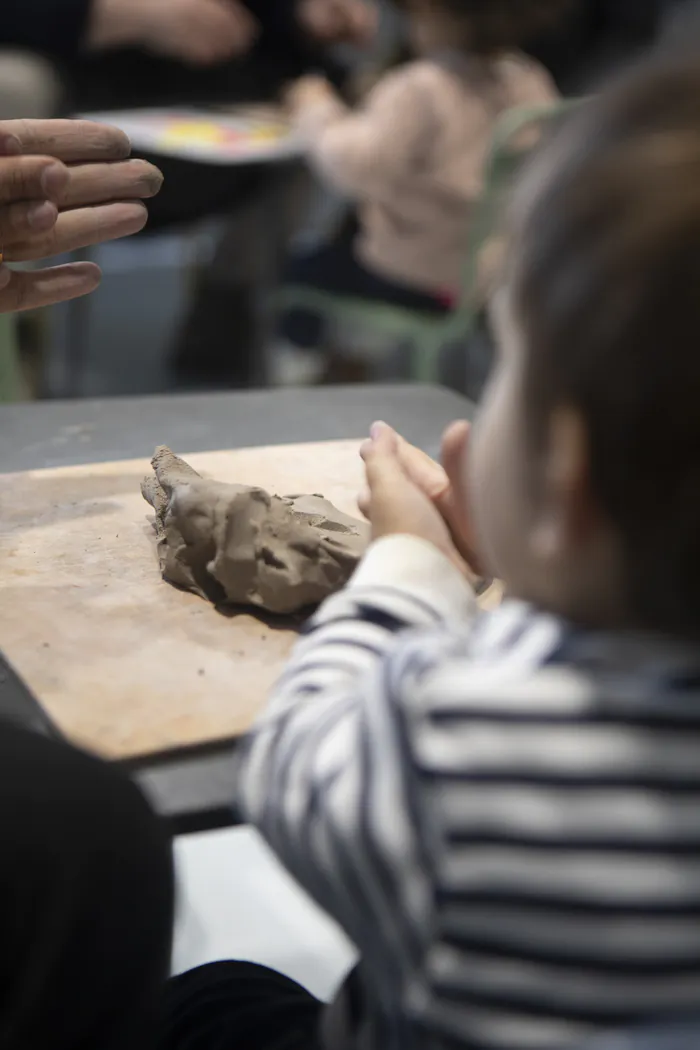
x=378 y=428
x=364 y=502
x=424 y=471
x=454 y=440
x=455 y=445
x=382 y=440
x=455 y=508
x=382 y=467
x=366 y=449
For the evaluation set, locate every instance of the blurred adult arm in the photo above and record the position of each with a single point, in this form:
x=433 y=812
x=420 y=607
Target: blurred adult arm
x=198 y=32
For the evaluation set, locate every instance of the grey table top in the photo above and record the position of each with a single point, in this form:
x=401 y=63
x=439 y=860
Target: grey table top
x=194 y=790
x=59 y=433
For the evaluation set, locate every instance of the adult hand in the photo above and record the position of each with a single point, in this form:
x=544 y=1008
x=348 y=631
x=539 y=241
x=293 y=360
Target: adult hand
x=396 y=504
x=64 y=185
x=338 y=21
x=197 y=32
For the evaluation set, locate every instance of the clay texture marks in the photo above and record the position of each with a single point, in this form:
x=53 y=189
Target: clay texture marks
x=240 y=545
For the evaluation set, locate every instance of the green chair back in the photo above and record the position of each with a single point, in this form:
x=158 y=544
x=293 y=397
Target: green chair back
x=518 y=133
x=11 y=385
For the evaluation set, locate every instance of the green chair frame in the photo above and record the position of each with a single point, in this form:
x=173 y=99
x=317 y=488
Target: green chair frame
x=11 y=384
x=427 y=335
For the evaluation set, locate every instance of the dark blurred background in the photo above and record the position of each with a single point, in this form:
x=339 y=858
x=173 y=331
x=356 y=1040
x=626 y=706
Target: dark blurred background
x=189 y=303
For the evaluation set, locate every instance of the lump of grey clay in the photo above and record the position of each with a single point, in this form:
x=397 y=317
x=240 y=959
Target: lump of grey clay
x=240 y=545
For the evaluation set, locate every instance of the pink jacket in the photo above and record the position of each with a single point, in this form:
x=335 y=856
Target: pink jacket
x=413 y=157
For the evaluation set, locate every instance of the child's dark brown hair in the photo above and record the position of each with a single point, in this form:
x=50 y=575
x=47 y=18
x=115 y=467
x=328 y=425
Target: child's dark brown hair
x=605 y=285
x=491 y=26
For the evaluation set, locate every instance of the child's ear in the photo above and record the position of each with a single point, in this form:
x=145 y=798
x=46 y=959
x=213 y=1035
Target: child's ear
x=567 y=515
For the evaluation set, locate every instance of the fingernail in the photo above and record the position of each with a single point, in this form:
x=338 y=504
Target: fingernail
x=41 y=215
x=154 y=181
x=10 y=146
x=53 y=179
x=376 y=429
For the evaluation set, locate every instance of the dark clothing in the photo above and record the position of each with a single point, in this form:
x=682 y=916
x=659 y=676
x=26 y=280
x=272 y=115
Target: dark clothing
x=334 y=268
x=86 y=902
x=58 y=27
x=55 y=27
x=239 y=1005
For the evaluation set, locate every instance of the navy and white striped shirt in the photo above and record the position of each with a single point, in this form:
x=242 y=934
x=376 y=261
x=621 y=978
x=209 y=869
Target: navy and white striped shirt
x=502 y=813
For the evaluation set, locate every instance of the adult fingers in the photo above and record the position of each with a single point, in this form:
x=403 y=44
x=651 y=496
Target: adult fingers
x=18 y=222
x=67 y=140
x=82 y=228
x=119 y=181
x=31 y=179
x=31 y=289
x=10 y=146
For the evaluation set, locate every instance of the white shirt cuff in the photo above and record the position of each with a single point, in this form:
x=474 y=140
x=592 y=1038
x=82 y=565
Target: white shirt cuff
x=415 y=566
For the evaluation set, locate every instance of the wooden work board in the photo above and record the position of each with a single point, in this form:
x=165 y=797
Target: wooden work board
x=122 y=662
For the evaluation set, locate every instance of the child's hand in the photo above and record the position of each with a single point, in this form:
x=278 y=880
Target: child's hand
x=307 y=91
x=396 y=504
x=445 y=484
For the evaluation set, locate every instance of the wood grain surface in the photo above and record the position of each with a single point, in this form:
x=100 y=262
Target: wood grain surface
x=122 y=662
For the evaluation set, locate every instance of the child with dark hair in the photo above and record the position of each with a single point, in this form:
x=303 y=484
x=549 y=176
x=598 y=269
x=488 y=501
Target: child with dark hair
x=503 y=810
x=413 y=155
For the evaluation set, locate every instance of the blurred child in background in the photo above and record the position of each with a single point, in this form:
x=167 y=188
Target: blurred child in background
x=412 y=156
